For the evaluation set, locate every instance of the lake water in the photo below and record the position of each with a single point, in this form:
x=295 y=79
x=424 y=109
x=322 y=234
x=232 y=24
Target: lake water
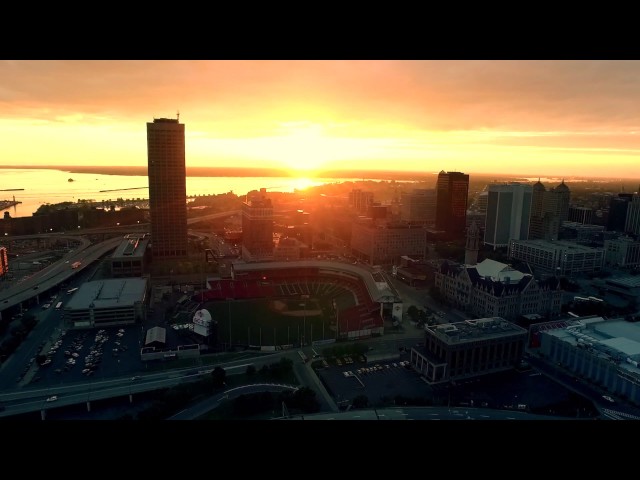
x=50 y=186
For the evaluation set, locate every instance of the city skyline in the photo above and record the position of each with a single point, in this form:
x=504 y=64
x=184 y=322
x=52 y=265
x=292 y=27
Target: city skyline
x=524 y=117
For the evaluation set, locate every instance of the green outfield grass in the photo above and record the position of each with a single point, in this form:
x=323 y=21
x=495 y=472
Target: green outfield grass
x=265 y=321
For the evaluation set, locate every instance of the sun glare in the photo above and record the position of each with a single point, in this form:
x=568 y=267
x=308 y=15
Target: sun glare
x=303 y=183
x=305 y=148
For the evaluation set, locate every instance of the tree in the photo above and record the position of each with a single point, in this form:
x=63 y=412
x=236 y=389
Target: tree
x=305 y=399
x=412 y=311
x=218 y=376
x=286 y=364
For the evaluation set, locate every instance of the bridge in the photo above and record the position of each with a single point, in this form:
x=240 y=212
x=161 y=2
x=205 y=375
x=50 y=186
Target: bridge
x=20 y=402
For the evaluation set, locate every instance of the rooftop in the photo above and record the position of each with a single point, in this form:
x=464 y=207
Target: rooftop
x=629 y=281
x=614 y=340
x=558 y=244
x=131 y=247
x=121 y=292
x=474 y=330
x=498 y=271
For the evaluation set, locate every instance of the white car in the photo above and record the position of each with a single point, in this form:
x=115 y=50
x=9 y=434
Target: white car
x=52 y=399
x=608 y=398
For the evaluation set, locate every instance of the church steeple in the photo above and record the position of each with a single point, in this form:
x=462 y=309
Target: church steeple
x=472 y=245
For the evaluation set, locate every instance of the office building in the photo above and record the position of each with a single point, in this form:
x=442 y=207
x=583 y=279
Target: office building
x=167 y=188
x=508 y=212
x=632 y=222
x=481 y=202
x=418 y=206
x=557 y=201
x=386 y=243
x=557 y=258
x=618 y=206
x=360 y=200
x=467 y=349
x=257 y=227
x=622 y=252
x=289 y=248
x=452 y=191
x=549 y=208
x=581 y=215
x=581 y=232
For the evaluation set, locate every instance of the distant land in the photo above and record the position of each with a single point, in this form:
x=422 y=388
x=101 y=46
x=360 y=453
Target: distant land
x=270 y=172
x=235 y=172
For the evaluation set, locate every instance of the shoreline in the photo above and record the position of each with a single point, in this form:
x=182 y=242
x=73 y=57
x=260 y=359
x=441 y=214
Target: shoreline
x=141 y=170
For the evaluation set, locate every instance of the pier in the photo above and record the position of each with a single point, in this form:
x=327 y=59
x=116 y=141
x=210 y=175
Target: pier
x=4 y=204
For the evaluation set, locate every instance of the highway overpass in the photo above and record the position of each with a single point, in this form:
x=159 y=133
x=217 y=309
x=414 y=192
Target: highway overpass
x=49 y=277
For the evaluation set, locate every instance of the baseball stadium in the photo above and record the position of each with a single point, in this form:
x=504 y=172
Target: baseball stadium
x=285 y=304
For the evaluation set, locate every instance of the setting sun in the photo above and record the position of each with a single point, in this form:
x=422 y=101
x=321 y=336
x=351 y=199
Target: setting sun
x=304 y=183
x=305 y=148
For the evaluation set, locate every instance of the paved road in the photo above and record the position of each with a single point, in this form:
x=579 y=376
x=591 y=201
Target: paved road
x=425 y=413
x=49 y=277
x=611 y=410
x=195 y=411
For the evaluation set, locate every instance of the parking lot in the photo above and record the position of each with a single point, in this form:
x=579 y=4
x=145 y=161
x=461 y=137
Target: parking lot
x=382 y=382
x=379 y=382
x=80 y=355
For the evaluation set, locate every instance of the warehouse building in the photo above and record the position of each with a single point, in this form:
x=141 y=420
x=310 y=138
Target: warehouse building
x=604 y=352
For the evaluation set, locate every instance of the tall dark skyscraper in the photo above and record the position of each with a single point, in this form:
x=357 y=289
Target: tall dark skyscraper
x=452 y=192
x=508 y=212
x=618 y=212
x=549 y=208
x=167 y=188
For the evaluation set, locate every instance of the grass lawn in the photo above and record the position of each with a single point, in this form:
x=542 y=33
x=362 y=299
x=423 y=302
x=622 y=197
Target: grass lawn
x=272 y=321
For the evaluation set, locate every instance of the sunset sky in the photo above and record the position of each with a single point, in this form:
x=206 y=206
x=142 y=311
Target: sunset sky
x=540 y=118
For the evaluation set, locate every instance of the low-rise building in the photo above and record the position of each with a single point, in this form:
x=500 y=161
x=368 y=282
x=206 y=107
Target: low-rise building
x=111 y=302
x=129 y=258
x=604 y=352
x=623 y=252
x=467 y=349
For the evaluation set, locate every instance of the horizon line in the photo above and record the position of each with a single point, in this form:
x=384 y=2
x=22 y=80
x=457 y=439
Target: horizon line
x=281 y=172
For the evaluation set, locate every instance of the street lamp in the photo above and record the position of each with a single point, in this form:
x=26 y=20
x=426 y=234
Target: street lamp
x=304 y=325
x=229 y=306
